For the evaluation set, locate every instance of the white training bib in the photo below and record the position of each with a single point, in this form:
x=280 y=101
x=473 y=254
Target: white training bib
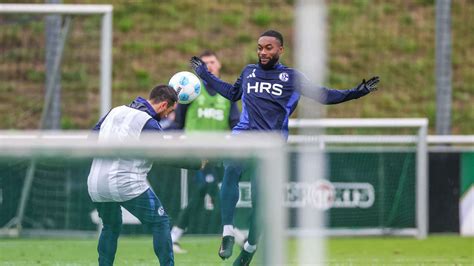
x=119 y=179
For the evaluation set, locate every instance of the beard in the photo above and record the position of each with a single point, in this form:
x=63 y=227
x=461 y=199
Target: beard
x=270 y=64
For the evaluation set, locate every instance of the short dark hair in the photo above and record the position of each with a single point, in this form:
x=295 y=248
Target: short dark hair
x=207 y=53
x=275 y=34
x=162 y=93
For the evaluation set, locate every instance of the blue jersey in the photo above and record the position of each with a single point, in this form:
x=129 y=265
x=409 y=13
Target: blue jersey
x=269 y=97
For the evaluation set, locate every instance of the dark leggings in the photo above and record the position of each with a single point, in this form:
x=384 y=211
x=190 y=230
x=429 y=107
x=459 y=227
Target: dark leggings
x=230 y=196
x=148 y=209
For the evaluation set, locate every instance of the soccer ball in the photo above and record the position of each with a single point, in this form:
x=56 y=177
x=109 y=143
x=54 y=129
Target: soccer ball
x=187 y=85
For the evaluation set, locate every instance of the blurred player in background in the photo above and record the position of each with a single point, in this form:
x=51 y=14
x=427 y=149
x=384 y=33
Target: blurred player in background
x=209 y=112
x=269 y=92
x=123 y=182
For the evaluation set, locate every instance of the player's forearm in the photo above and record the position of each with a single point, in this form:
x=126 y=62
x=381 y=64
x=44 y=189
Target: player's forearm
x=339 y=96
x=230 y=92
x=223 y=88
x=330 y=96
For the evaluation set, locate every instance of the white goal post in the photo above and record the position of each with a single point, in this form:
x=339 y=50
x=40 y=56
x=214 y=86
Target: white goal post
x=105 y=43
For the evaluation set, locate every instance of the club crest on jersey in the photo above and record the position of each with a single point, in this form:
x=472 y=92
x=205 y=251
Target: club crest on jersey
x=284 y=76
x=161 y=211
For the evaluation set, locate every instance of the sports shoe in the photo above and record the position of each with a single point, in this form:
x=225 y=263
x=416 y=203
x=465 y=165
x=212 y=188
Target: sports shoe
x=244 y=258
x=227 y=244
x=177 y=248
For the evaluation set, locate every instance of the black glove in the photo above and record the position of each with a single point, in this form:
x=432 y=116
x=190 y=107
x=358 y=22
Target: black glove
x=369 y=85
x=198 y=65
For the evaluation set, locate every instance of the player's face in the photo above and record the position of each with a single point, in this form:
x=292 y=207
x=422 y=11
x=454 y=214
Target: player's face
x=213 y=65
x=269 y=50
x=163 y=109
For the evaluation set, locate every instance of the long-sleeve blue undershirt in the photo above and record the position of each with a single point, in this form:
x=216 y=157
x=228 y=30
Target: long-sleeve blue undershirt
x=321 y=94
x=270 y=96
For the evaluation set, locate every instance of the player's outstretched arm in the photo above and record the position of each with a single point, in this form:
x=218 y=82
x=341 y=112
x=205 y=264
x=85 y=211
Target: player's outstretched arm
x=332 y=96
x=229 y=91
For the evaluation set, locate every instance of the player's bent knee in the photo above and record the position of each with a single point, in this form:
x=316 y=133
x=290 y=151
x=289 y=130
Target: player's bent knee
x=158 y=220
x=114 y=228
x=160 y=225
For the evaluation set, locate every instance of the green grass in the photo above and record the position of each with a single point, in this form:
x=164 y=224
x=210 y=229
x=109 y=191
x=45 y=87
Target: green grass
x=436 y=250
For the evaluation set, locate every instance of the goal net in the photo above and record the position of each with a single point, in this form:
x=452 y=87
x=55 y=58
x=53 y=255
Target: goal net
x=375 y=175
x=375 y=181
x=54 y=61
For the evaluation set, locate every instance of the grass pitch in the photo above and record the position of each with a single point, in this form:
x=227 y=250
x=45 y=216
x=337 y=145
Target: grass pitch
x=436 y=250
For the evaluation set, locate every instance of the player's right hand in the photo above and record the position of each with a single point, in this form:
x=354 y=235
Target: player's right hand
x=198 y=65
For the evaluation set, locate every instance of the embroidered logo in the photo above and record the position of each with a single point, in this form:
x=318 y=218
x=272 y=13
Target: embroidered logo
x=161 y=211
x=284 y=76
x=252 y=75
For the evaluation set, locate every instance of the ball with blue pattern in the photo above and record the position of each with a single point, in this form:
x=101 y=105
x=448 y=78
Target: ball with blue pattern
x=187 y=85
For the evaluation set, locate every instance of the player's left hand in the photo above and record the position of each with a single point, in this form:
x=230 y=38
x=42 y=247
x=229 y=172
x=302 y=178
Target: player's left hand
x=369 y=85
x=198 y=65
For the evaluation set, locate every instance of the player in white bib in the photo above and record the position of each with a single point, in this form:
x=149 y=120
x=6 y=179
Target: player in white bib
x=113 y=183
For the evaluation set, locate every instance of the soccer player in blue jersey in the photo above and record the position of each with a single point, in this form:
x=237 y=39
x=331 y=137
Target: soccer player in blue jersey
x=269 y=92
